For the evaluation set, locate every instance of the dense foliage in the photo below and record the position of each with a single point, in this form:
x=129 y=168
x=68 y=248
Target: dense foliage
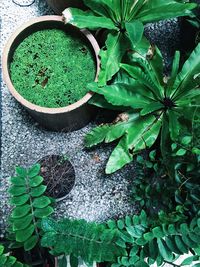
x=30 y=205
x=156 y=106
x=91 y=241
x=47 y=68
x=124 y=21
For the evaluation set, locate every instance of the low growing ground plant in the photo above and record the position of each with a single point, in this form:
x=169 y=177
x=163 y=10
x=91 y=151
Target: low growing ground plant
x=155 y=107
x=125 y=22
x=47 y=68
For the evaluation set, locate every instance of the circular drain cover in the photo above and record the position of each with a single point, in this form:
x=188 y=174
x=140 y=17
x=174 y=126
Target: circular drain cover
x=58 y=174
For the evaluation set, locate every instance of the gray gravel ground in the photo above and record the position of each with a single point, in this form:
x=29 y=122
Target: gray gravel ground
x=95 y=195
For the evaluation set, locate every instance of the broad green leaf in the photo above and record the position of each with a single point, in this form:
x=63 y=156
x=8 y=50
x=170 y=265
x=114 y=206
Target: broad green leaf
x=10 y=261
x=186 y=140
x=185 y=79
x=174 y=73
x=148 y=236
x=189 y=242
x=145 y=78
x=135 y=31
x=120 y=224
x=22 y=223
x=119 y=157
x=35 y=181
x=17 y=190
x=164 y=250
x=164 y=11
x=41 y=202
x=99 y=7
x=30 y=243
x=158 y=232
x=143 y=133
x=1 y=249
x=156 y=63
x=18 y=181
x=100 y=101
x=41 y=213
x=116 y=45
x=33 y=171
x=21 y=211
x=189 y=260
x=170 y=242
x=3 y=260
x=122 y=94
x=21 y=171
x=96 y=136
x=19 y=200
x=152 y=107
x=174 y=125
x=181 y=152
x=23 y=235
x=195 y=237
x=38 y=191
x=180 y=244
x=85 y=19
x=153 y=249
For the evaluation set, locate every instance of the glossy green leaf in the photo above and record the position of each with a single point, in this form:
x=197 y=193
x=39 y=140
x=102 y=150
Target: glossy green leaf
x=174 y=125
x=116 y=45
x=85 y=19
x=38 y=191
x=18 y=181
x=41 y=213
x=17 y=190
x=152 y=107
x=119 y=157
x=22 y=223
x=21 y=211
x=21 y=171
x=164 y=250
x=23 y=235
x=180 y=244
x=19 y=200
x=30 y=243
x=96 y=136
x=189 y=260
x=41 y=202
x=135 y=31
x=35 y=181
x=122 y=94
x=34 y=170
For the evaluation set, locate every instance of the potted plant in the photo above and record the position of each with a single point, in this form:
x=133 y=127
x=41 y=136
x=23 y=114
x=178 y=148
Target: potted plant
x=58 y=174
x=54 y=94
x=59 y=5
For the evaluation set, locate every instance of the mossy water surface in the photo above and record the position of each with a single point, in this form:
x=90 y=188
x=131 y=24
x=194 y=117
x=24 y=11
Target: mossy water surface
x=51 y=68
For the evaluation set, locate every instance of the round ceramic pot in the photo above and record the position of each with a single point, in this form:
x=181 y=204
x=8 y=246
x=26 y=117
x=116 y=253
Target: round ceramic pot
x=69 y=118
x=59 y=5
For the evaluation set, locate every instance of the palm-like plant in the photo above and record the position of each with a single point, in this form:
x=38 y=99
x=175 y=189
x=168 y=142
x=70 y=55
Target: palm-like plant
x=154 y=106
x=125 y=20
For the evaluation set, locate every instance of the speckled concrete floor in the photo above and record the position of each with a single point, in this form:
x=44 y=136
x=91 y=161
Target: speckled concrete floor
x=95 y=195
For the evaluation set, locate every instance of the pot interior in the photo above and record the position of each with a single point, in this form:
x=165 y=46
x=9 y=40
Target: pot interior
x=43 y=25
